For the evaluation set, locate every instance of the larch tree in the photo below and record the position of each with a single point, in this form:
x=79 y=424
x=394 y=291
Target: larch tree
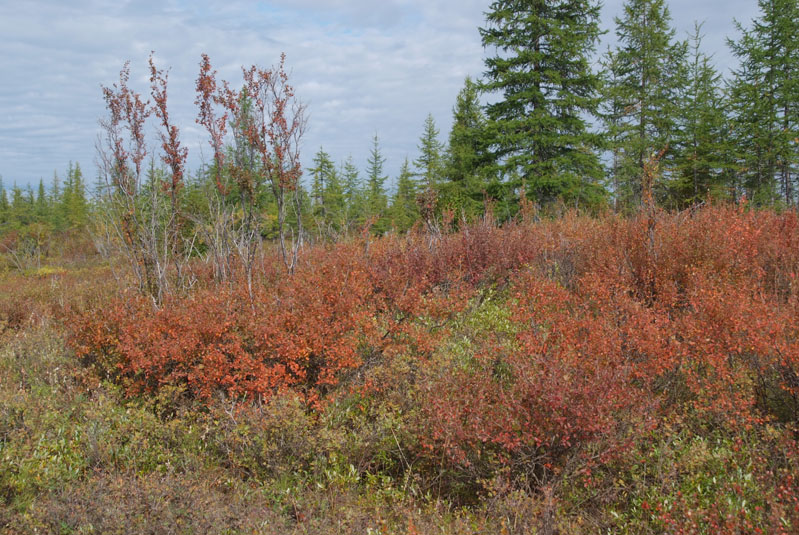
x=765 y=101
x=650 y=70
x=701 y=164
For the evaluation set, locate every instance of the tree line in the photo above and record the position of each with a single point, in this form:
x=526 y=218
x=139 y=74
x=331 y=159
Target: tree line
x=561 y=128
x=566 y=130
x=62 y=206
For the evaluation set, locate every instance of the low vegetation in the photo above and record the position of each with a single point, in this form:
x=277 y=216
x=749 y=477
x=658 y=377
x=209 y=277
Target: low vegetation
x=572 y=375
x=487 y=350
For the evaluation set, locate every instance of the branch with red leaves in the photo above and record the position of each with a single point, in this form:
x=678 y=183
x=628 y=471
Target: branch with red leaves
x=174 y=154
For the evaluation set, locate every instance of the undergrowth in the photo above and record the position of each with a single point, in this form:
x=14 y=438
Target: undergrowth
x=577 y=375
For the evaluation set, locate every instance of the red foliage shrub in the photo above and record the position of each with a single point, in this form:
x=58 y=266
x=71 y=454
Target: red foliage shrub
x=698 y=317
x=563 y=384
x=615 y=321
x=301 y=333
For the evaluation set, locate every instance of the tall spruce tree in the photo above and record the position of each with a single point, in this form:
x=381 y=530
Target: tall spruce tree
x=612 y=117
x=74 y=206
x=57 y=215
x=701 y=165
x=542 y=68
x=5 y=207
x=465 y=168
x=404 y=210
x=764 y=97
x=429 y=164
x=650 y=70
x=354 y=196
x=321 y=174
x=376 y=199
x=335 y=206
x=42 y=205
x=21 y=208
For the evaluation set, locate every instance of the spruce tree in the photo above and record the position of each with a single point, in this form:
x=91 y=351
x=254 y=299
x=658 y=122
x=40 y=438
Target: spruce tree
x=612 y=117
x=42 y=204
x=404 y=211
x=20 y=210
x=4 y=205
x=539 y=130
x=327 y=195
x=354 y=196
x=320 y=174
x=376 y=200
x=429 y=164
x=56 y=217
x=65 y=202
x=650 y=70
x=335 y=206
x=700 y=166
x=55 y=189
x=764 y=96
x=74 y=206
x=80 y=205
x=465 y=169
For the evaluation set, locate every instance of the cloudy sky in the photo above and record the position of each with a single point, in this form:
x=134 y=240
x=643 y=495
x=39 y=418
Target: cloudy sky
x=361 y=66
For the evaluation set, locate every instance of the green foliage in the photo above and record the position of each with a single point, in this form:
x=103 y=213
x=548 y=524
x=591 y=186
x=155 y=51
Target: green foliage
x=563 y=374
x=576 y=375
x=375 y=194
x=763 y=95
x=695 y=480
x=59 y=209
x=430 y=161
x=33 y=226
x=647 y=72
x=21 y=209
x=612 y=114
x=538 y=130
x=327 y=195
x=73 y=204
x=354 y=194
x=5 y=207
x=702 y=166
x=404 y=211
x=464 y=187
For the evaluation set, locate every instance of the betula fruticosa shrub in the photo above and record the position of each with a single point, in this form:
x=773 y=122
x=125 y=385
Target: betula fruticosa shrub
x=616 y=322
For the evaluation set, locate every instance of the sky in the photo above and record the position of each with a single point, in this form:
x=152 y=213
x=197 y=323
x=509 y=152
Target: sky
x=362 y=67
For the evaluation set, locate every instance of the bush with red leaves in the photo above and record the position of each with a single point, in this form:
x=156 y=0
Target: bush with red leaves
x=615 y=322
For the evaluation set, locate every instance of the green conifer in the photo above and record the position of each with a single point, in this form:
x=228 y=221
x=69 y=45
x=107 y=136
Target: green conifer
x=650 y=70
x=764 y=94
x=404 y=210
x=539 y=128
x=466 y=166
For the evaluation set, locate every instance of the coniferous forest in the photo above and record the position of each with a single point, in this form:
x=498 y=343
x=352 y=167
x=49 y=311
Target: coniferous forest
x=576 y=313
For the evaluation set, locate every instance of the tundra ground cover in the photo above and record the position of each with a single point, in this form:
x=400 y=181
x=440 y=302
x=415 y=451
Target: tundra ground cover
x=575 y=374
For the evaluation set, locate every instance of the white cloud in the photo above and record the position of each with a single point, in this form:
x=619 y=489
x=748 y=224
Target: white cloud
x=362 y=66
